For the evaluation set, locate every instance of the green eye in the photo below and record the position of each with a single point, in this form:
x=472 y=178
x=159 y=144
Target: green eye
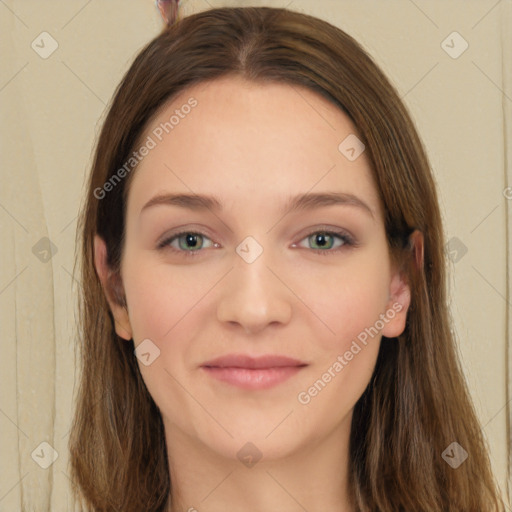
x=190 y=243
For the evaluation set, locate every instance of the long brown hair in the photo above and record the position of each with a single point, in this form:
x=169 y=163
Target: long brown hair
x=416 y=403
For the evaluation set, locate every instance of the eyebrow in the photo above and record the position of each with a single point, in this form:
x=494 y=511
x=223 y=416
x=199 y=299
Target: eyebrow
x=306 y=201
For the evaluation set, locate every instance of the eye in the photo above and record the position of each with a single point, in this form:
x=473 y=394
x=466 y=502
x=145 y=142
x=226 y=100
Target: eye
x=324 y=240
x=189 y=242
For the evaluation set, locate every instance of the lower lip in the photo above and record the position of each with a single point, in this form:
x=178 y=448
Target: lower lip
x=260 y=378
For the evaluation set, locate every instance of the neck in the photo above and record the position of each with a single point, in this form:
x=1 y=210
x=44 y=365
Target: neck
x=312 y=477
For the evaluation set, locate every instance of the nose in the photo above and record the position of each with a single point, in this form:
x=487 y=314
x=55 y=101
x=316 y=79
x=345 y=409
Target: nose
x=254 y=296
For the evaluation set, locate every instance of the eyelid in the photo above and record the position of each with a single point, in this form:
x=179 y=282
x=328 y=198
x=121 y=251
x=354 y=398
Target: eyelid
x=325 y=228
x=181 y=230
x=166 y=240
x=343 y=234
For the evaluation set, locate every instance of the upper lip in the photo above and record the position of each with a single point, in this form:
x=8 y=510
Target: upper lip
x=245 y=361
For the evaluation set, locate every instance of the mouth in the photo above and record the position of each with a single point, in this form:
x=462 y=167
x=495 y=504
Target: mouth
x=253 y=373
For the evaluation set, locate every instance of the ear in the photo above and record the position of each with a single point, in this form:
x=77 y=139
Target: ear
x=400 y=292
x=113 y=289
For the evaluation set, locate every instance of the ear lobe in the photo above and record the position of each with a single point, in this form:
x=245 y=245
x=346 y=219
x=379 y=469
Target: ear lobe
x=112 y=287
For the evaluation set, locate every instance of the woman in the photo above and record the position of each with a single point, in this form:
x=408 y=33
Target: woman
x=264 y=319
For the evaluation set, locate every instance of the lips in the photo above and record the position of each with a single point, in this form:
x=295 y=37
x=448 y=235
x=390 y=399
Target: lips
x=252 y=373
x=244 y=361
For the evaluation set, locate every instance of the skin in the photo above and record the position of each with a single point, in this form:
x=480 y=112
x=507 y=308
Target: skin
x=253 y=146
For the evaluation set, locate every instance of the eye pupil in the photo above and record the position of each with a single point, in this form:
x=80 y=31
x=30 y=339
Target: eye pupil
x=192 y=240
x=322 y=238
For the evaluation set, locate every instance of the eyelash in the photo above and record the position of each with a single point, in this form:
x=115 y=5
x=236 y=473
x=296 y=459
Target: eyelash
x=342 y=235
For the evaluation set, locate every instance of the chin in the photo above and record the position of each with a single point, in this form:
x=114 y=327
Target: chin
x=253 y=449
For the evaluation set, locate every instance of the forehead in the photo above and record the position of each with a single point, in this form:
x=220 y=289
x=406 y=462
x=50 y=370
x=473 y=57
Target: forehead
x=268 y=140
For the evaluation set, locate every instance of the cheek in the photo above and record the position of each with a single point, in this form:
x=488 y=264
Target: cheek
x=159 y=299
x=348 y=300
x=351 y=306
x=165 y=307
x=337 y=301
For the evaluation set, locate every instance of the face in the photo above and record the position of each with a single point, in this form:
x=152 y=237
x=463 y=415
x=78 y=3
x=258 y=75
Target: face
x=250 y=276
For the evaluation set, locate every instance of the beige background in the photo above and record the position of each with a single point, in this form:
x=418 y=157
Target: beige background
x=52 y=109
